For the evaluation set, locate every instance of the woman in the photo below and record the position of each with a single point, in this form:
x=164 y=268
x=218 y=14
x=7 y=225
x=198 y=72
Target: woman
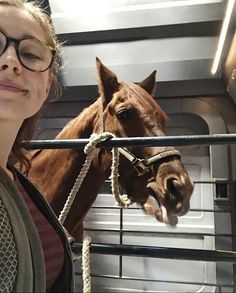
x=35 y=254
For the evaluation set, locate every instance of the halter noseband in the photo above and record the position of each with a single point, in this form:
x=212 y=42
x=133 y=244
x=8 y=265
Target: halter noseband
x=143 y=165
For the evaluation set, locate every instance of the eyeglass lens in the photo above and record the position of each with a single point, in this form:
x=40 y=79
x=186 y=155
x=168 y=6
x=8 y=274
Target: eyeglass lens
x=33 y=54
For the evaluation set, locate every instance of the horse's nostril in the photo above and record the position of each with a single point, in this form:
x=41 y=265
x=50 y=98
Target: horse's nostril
x=173 y=186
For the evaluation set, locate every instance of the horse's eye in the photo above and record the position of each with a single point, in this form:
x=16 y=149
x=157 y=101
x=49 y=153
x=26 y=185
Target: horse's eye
x=122 y=114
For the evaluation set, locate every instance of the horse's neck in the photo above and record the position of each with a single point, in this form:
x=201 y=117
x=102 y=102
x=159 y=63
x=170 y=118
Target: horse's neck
x=53 y=169
x=83 y=124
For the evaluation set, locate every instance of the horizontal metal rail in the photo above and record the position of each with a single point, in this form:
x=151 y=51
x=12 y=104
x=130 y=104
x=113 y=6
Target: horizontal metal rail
x=159 y=233
x=159 y=252
x=138 y=209
x=181 y=140
x=158 y=280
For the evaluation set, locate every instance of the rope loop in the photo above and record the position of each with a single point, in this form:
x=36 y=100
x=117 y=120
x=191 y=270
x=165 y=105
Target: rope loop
x=121 y=200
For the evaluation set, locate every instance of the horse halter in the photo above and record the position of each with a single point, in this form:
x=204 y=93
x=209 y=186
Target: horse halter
x=142 y=166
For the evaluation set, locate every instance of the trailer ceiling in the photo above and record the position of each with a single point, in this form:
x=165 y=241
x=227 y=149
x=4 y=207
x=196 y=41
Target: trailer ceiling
x=135 y=37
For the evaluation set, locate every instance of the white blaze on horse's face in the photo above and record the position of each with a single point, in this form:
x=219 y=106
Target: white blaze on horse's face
x=164 y=191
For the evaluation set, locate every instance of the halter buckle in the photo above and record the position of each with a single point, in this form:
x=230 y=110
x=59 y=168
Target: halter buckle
x=139 y=166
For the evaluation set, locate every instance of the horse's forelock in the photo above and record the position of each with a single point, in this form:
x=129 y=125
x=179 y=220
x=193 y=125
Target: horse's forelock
x=134 y=90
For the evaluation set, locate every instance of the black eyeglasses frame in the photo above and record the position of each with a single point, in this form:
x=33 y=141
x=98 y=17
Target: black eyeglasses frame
x=10 y=40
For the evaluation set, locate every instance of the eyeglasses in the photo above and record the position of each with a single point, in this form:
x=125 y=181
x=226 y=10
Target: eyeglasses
x=32 y=54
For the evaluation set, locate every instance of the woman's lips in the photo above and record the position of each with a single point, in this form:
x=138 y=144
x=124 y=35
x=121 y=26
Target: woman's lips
x=11 y=86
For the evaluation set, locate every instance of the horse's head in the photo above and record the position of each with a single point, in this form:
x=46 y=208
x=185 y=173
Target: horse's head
x=159 y=182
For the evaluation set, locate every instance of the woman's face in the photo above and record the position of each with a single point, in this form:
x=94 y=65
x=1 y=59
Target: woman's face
x=22 y=92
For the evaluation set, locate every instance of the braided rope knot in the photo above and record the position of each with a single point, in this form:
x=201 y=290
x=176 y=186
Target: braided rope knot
x=95 y=139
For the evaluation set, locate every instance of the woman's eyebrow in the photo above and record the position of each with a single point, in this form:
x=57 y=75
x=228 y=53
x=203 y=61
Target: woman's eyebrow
x=27 y=36
x=24 y=36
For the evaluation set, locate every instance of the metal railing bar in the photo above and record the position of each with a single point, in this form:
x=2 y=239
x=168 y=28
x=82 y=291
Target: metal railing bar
x=158 y=252
x=157 y=280
x=227 y=181
x=138 y=209
x=214 y=182
x=166 y=234
x=180 y=140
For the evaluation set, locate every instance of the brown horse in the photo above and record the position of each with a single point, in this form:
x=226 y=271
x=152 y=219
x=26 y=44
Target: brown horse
x=161 y=184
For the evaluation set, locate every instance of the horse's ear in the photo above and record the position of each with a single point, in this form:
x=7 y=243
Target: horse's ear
x=107 y=81
x=149 y=83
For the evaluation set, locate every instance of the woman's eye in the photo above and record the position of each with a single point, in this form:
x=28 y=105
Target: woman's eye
x=29 y=55
x=123 y=114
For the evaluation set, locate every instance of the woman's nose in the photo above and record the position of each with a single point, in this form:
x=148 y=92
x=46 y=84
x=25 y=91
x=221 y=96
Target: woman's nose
x=10 y=61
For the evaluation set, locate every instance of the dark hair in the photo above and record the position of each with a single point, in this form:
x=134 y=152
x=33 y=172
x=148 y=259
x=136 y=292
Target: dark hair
x=26 y=131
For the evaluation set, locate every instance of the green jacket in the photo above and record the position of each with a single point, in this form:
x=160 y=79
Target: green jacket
x=30 y=259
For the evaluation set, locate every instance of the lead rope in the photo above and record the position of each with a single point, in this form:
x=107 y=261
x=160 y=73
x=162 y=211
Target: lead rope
x=122 y=200
x=86 y=264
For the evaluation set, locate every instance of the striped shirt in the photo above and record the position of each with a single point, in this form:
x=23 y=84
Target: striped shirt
x=51 y=243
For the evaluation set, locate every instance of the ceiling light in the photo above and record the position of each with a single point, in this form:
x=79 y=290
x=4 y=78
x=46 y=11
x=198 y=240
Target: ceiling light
x=223 y=33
